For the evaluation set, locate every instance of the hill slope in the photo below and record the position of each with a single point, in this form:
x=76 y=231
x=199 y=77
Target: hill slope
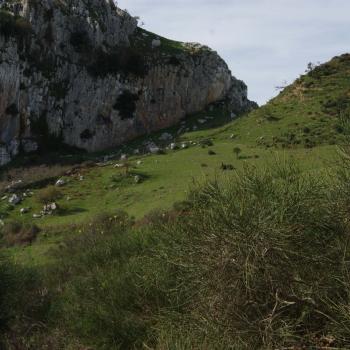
x=303 y=122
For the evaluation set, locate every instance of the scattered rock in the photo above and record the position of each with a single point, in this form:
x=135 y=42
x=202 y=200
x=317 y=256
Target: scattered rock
x=154 y=149
x=81 y=178
x=139 y=162
x=118 y=165
x=24 y=210
x=60 y=182
x=124 y=157
x=14 y=185
x=173 y=146
x=14 y=199
x=156 y=43
x=165 y=137
x=49 y=209
x=37 y=216
x=184 y=145
x=137 y=179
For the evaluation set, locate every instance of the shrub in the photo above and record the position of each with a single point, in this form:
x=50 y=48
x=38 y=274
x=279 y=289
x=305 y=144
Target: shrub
x=22 y=304
x=49 y=194
x=126 y=104
x=18 y=233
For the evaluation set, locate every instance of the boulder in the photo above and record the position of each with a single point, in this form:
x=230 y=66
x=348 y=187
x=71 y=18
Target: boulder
x=14 y=199
x=156 y=43
x=173 y=146
x=165 y=137
x=137 y=179
x=184 y=145
x=60 y=182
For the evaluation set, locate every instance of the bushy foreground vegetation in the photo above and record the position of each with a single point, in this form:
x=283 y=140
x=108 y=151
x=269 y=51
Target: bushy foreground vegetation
x=259 y=259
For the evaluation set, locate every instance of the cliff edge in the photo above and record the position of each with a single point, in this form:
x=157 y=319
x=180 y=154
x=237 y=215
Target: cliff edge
x=81 y=73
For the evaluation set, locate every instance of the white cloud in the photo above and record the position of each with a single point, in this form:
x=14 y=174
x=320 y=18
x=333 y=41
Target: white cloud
x=263 y=41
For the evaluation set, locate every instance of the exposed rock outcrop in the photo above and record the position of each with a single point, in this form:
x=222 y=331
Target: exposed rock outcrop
x=80 y=73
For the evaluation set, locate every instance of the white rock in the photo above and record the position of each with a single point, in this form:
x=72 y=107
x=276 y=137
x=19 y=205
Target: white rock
x=60 y=182
x=123 y=157
x=139 y=162
x=173 y=146
x=154 y=150
x=137 y=179
x=13 y=185
x=24 y=210
x=166 y=136
x=37 y=216
x=2 y=224
x=14 y=199
x=4 y=198
x=184 y=145
x=81 y=178
x=118 y=165
x=156 y=43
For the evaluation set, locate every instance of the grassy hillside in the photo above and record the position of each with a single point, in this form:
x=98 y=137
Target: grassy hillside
x=238 y=240
x=303 y=123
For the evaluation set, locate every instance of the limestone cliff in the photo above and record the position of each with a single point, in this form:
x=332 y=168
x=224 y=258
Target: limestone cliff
x=81 y=73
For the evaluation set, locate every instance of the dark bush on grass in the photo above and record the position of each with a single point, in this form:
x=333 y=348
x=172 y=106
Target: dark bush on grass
x=267 y=254
x=19 y=233
x=49 y=194
x=21 y=304
x=260 y=261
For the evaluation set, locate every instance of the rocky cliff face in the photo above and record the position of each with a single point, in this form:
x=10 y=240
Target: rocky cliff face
x=80 y=73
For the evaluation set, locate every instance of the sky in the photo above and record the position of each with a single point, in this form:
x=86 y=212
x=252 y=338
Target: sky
x=264 y=42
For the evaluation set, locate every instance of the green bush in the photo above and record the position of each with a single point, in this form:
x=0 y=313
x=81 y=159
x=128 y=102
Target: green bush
x=49 y=194
x=257 y=260
x=20 y=303
x=18 y=233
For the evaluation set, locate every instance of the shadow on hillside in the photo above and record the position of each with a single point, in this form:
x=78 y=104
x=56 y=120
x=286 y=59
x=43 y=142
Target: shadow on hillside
x=71 y=211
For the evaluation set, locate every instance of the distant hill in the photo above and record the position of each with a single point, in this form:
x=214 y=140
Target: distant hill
x=307 y=113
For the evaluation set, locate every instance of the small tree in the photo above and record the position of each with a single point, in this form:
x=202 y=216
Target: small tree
x=237 y=151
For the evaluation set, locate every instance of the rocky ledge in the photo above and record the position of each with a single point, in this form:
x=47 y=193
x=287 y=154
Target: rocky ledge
x=81 y=73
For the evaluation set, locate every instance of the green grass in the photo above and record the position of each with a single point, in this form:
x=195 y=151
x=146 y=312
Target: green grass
x=312 y=102
x=168 y=281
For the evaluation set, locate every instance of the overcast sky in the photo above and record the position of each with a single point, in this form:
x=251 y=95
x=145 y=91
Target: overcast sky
x=264 y=42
